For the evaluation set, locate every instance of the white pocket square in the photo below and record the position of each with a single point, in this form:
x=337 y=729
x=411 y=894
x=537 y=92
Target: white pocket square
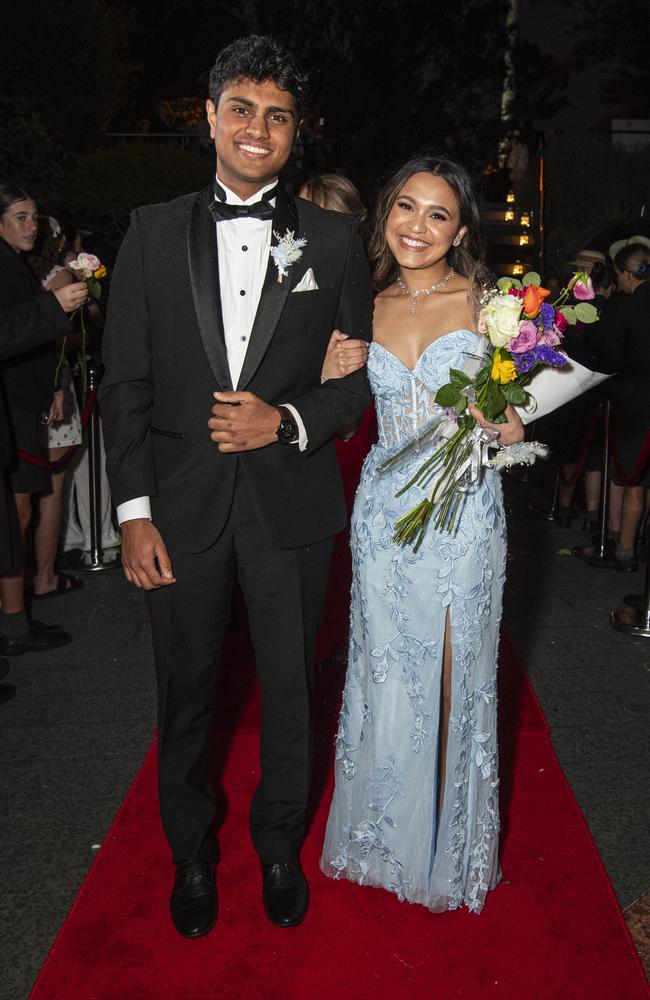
x=307 y=283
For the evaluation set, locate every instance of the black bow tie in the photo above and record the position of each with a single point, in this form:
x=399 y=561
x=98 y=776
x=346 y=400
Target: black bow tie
x=262 y=209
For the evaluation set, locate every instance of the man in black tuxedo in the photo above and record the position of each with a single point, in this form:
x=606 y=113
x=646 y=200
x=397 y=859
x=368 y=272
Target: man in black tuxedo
x=220 y=456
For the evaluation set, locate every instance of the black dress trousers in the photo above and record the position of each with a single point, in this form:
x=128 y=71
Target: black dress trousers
x=284 y=591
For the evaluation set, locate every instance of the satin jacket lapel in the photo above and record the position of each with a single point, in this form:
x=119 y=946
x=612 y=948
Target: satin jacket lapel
x=274 y=293
x=204 y=274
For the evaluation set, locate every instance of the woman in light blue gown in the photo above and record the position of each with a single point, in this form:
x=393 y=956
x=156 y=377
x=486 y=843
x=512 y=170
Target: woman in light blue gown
x=415 y=807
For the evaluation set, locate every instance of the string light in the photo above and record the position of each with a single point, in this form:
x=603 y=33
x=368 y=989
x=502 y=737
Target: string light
x=517 y=269
x=524 y=240
x=509 y=216
x=510 y=198
x=525 y=220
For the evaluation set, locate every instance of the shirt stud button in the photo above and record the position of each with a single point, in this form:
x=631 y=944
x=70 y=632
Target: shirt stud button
x=242 y=292
x=244 y=249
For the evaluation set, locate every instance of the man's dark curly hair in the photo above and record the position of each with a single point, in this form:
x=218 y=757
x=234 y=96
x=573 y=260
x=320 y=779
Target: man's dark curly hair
x=258 y=58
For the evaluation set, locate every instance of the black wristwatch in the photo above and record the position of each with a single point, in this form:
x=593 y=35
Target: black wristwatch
x=287 y=432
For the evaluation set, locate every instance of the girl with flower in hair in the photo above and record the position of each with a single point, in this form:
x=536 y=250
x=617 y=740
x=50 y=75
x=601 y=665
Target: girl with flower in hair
x=415 y=807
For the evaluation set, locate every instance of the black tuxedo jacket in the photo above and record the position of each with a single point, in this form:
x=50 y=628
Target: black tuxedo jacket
x=165 y=355
x=29 y=376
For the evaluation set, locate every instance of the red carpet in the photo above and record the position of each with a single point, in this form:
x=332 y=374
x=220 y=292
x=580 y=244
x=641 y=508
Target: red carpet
x=551 y=931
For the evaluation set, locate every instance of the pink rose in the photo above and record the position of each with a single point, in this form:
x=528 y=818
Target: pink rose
x=550 y=337
x=525 y=340
x=584 y=290
x=86 y=264
x=561 y=322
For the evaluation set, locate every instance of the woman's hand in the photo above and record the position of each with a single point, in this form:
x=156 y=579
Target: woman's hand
x=511 y=432
x=56 y=408
x=72 y=296
x=343 y=356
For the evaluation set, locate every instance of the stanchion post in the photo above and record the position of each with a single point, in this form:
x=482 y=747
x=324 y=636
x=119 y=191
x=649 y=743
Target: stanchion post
x=95 y=560
x=600 y=556
x=94 y=476
x=604 y=483
x=556 y=494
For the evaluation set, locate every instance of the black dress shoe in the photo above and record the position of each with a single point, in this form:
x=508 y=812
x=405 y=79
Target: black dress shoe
x=193 y=904
x=38 y=638
x=285 y=893
x=40 y=628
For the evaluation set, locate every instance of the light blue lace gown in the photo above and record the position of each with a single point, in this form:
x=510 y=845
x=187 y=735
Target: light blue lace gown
x=382 y=828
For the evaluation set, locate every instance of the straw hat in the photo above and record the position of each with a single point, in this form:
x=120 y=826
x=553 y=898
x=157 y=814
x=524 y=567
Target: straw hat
x=585 y=259
x=618 y=246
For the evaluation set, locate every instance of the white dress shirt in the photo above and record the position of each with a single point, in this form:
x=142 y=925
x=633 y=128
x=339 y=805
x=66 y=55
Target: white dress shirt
x=243 y=247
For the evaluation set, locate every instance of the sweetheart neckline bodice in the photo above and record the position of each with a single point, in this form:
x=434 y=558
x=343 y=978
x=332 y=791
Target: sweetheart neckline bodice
x=426 y=350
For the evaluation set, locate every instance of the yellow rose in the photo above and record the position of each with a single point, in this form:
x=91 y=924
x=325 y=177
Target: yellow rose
x=100 y=273
x=503 y=371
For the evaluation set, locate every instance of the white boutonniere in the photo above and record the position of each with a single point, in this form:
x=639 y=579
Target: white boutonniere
x=286 y=252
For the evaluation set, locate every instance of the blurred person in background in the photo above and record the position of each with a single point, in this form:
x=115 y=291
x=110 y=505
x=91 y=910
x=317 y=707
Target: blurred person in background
x=76 y=512
x=28 y=385
x=566 y=432
x=621 y=343
x=57 y=435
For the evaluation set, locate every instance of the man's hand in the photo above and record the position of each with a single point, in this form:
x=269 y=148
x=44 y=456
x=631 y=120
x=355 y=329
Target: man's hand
x=142 y=549
x=70 y=297
x=241 y=421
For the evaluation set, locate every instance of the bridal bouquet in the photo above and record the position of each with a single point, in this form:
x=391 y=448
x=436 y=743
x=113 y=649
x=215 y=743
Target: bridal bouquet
x=88 y=268
x=521 y=333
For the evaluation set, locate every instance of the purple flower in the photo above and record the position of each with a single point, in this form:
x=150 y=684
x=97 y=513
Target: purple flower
x=526 y=338
x=550 y=337
x=540 y=355
x=547 y=315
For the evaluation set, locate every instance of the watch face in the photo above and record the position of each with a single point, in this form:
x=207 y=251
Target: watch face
x=287 y=431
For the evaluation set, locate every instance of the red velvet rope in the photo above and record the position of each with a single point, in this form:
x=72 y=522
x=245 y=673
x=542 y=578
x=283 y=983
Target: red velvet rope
x=639 y=468
x=62 y=462
x=584 y=451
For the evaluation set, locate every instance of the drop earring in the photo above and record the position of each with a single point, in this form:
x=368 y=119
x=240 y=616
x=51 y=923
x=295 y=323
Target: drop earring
x=457 y=241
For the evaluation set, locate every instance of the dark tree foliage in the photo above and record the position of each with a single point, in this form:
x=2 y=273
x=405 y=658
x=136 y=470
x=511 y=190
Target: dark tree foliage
x=28 y=156
x=541 y=82
x=67 y=61
x=617 y=34
x=389 y=78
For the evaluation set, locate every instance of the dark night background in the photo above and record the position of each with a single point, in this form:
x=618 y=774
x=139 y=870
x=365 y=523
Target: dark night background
x=389 y=79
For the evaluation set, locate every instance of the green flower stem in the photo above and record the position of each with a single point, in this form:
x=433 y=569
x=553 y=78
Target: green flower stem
x=57 y=373
x=82 y=356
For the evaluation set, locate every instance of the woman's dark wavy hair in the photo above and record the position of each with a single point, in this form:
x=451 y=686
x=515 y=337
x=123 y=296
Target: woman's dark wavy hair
x=635 y=258
x=258 y=58
x=466 y=259
x=9 y=195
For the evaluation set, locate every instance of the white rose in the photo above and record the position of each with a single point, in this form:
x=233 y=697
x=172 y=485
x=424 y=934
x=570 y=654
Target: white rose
x=88 y=262
x=501 y=318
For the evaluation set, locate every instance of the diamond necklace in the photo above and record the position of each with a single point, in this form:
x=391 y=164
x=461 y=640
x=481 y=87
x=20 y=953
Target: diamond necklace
x=415 y=293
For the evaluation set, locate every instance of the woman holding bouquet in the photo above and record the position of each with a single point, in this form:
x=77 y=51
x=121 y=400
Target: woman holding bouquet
x=415 y=808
